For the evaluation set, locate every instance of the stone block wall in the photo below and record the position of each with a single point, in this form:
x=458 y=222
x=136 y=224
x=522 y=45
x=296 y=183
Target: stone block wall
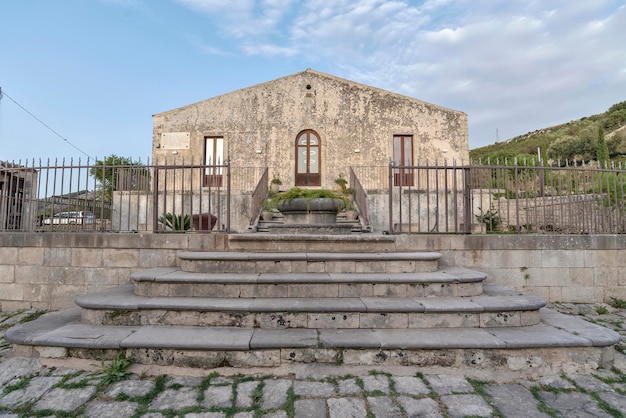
x=47 y=271
x=558 y=268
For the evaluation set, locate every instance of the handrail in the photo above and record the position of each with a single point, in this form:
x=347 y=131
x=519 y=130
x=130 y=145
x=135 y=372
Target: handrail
x=259 y=193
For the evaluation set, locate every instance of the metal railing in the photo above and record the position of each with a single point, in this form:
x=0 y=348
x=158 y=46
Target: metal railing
x=569 y=199
x=360 y=197
x=423 y=198
x=258 y=195
x=92 y=196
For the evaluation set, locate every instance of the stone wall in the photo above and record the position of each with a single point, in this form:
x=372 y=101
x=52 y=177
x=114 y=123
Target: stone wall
x=559 y=268
x=356 y=124
x=47 y=271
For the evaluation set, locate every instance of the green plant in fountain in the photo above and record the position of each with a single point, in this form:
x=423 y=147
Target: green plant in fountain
x=176 y=222
x=298 y=193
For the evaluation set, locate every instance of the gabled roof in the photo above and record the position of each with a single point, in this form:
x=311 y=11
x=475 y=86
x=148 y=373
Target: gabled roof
x=322 y=75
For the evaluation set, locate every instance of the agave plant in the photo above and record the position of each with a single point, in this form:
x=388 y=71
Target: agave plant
x=176 y=222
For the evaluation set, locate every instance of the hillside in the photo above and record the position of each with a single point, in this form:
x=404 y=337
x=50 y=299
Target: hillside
x=568 y=141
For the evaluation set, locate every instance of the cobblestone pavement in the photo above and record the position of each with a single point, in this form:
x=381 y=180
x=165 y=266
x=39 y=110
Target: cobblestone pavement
x=29 y=389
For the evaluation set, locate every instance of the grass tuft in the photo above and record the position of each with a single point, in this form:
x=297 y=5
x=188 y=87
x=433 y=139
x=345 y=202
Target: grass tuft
x=116 y=370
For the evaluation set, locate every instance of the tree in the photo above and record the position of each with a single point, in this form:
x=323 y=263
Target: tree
x=602 y=151
x=106 y=172
x=619 y=141
x=575 y=147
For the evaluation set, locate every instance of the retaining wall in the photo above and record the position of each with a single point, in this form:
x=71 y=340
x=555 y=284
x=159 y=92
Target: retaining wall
x=47 y=271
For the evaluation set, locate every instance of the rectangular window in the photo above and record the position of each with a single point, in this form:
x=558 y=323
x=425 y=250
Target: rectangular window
x=403 y=158
x=213 y=159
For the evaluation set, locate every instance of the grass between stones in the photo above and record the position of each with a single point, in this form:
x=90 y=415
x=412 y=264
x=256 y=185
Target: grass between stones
x=257 y=395
x=9 y=319
x=605 y=406
x=20 y=384
x=431 y=393
x=479 y=388
x=80 y=380
x=5 y=317
x=542 y=405
x=78 y=384
x=32 y=316
x=289 y=405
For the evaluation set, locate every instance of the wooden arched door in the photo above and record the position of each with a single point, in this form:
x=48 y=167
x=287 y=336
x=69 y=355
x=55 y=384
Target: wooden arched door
x=308 y=159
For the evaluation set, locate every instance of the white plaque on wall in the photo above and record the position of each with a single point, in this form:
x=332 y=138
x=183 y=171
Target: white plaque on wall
x=175 y=140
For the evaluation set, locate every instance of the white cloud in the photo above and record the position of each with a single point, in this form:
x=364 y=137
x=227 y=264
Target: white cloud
x=269 y=50
x=513 y=65
x=242 y=18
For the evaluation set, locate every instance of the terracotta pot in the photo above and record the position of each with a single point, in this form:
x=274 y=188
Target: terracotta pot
x=203 y=221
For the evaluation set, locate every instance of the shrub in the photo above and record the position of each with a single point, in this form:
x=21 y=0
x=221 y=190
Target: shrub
x=490 y=218
x=176 y=222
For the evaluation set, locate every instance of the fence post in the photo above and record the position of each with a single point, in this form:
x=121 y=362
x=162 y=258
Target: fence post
x=155 y=197
x=228 y=196
x=467 y=200
x=391 y=231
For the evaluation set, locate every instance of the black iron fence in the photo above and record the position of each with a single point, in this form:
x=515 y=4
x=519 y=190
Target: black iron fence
x=423 y=198
x=69 y=196
x=506 y=198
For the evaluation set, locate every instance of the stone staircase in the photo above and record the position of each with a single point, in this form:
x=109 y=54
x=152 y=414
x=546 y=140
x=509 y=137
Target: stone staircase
x=273 y=301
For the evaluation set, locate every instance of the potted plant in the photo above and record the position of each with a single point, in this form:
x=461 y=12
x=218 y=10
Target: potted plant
x=341 y=182
x=275 y=184
x=349 y=192
x=351 y=212
x=267 y=210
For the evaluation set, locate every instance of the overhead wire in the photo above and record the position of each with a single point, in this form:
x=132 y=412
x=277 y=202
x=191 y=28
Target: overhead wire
x=4 y=93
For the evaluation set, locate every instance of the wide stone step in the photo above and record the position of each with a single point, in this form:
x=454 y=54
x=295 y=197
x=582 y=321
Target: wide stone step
x=120 y=306
x=559 y=342
x=370 y=243
x=173 y=282
x=307 y=262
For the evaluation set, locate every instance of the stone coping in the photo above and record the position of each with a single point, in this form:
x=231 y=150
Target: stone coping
x=322 y=229
x=172 y=275
x=367 y=238
x=123 y=298
x=307 y=256
x=63 y=329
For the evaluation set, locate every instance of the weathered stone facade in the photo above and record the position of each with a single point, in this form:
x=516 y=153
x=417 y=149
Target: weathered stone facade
x=354 y=123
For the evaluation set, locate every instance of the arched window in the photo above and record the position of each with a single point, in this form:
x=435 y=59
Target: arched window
x=308 y=159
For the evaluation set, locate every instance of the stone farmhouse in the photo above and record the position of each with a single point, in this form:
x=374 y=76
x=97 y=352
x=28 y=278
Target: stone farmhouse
x=307 y=129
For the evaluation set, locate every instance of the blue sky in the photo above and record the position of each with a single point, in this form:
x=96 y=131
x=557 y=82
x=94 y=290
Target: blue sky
x=95 y=71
